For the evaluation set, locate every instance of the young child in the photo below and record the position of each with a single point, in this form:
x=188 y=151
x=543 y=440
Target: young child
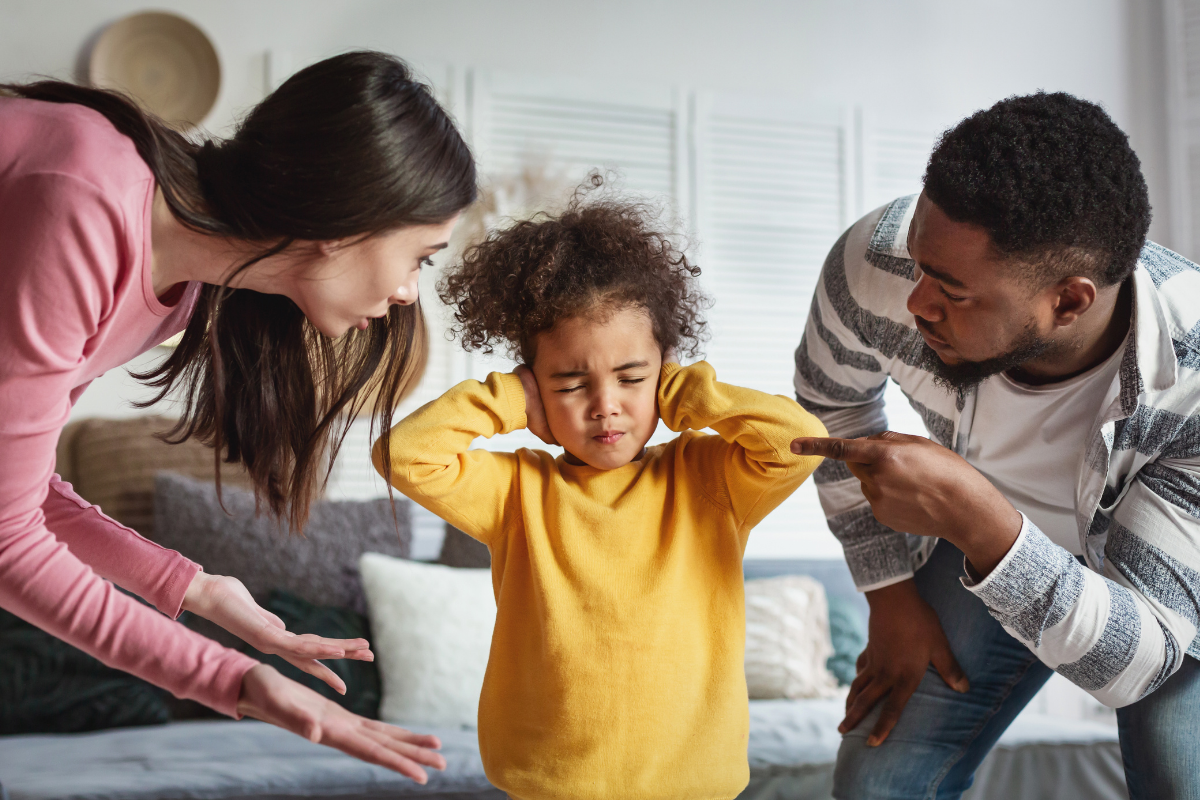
x=616 y=668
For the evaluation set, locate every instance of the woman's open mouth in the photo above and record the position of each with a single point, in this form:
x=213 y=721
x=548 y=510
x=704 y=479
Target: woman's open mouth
x=609 y=437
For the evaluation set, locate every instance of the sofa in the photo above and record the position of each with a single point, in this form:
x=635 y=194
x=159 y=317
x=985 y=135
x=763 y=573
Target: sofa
x=792 y=747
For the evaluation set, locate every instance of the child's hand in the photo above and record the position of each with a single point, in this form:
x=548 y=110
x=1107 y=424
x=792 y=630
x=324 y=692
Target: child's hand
x=535 y=414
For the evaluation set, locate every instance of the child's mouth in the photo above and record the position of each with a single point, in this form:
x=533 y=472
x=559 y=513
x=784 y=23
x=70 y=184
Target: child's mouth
x=609 y=437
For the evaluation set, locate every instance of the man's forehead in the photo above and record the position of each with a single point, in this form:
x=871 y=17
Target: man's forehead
x=955 y=253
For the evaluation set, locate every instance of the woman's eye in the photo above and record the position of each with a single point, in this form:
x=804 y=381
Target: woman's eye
x=426 y=262
x=569 y=389
x=632 y=380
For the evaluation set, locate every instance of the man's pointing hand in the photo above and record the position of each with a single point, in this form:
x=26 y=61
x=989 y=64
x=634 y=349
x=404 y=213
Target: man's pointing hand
x=922 y=488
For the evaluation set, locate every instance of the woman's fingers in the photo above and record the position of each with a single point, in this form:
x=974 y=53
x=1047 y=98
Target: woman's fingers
x=419 y=754
x=358 y=737
x=271 y=697
x=307 y=645
x=363 y=747
x=426 y=740
x=314 y=667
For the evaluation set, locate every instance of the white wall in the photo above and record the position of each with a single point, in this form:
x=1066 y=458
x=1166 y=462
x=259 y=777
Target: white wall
x=938 y=59
x=946 y=57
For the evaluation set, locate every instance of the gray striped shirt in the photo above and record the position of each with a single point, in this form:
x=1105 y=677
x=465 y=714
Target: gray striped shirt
x=1119 y=627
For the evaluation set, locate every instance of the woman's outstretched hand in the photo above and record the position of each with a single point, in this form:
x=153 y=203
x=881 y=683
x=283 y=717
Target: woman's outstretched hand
x=270 y=697
x=226 y=601
x=535 y=413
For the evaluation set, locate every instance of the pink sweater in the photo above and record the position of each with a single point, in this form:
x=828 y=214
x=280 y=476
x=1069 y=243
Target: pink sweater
x=76 y=300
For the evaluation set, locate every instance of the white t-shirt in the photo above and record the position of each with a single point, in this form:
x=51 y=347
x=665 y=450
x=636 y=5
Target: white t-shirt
x=1029 y=441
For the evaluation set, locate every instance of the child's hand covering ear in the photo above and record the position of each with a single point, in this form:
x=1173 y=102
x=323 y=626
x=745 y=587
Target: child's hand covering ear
x=535 y=413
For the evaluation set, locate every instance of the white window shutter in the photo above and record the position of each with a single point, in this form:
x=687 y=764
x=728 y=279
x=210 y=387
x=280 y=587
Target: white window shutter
x=574 y=127
x=773 y=195
x=895 y=152
x=1182 y=35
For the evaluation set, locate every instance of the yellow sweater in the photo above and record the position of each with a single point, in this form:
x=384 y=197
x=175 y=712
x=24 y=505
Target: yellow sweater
x=616 y=668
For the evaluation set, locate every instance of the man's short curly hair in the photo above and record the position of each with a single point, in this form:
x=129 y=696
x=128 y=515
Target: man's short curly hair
x=599 y=254
x=1054 y=182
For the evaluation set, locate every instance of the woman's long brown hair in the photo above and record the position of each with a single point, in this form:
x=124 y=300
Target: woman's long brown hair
x=350 y=147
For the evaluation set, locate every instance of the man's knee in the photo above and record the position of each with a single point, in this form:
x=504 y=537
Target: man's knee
x=896 y=769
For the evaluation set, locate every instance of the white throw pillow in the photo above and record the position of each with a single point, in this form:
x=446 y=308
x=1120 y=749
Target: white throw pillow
x=431 y=632
x=787 y=639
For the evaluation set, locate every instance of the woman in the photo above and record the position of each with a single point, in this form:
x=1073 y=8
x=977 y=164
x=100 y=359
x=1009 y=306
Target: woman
x=289 y=256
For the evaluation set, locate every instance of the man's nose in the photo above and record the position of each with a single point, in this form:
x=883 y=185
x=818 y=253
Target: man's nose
x=923 y=301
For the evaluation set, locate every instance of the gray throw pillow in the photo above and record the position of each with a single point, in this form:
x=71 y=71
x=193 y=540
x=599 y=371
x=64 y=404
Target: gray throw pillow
x=321 y=566
x=460 y=550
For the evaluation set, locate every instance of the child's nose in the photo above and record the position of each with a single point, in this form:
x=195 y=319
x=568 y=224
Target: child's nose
x=605 y=405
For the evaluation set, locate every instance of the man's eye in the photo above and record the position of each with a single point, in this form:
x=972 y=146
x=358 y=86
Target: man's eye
x=953 y=297
x=568 y=389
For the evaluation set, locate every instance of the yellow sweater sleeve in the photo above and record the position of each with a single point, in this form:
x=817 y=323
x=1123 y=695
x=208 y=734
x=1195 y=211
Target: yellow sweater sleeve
x=750 y=466
x=432 y=463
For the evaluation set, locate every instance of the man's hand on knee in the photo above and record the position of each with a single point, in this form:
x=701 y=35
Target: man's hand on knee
x=904 y=638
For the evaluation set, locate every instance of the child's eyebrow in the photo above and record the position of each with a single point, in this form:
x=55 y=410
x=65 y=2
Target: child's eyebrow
x=579 y=373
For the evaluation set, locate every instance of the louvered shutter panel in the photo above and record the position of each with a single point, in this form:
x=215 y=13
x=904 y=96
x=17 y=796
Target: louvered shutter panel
x=1182 y=35
x=575 y=127
x=772 y=198
x=895 y=152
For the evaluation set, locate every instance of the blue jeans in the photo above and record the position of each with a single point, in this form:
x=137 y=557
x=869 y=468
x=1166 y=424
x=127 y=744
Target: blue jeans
x=942 y=736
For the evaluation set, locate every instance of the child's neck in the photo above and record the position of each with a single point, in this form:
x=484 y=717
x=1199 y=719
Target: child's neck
x=579 y=462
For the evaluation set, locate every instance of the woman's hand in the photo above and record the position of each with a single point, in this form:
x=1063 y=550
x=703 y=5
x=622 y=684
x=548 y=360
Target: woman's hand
x=270 y=697
x=225 y=601
x=904 y=638
x=535 y=413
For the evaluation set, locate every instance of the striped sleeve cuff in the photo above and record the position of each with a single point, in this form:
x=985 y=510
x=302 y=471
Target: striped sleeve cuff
x=1033 y=586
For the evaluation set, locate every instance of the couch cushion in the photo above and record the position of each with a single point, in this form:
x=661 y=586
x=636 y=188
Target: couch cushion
x=320 y=566
x=112 y=463
x=433 y=631
x=787 y=639
x=222 y=759
x=48 y=686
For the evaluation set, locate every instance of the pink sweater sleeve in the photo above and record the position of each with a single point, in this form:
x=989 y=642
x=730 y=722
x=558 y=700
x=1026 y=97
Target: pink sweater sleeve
x=61 y=245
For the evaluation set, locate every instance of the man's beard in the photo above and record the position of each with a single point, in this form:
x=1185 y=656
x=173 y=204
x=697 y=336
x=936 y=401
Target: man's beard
x=966 y=375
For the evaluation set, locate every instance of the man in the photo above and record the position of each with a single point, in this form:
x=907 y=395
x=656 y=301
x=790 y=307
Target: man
x=1055 y=357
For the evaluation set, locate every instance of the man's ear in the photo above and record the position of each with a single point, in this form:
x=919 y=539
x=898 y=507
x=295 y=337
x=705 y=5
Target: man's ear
x=1073 y=296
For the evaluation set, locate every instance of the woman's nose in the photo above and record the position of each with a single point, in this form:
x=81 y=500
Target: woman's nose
x=405 y=294
x=923 y=301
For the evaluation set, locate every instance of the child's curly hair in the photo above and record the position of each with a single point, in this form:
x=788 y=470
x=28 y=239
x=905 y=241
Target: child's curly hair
x=521 y=280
